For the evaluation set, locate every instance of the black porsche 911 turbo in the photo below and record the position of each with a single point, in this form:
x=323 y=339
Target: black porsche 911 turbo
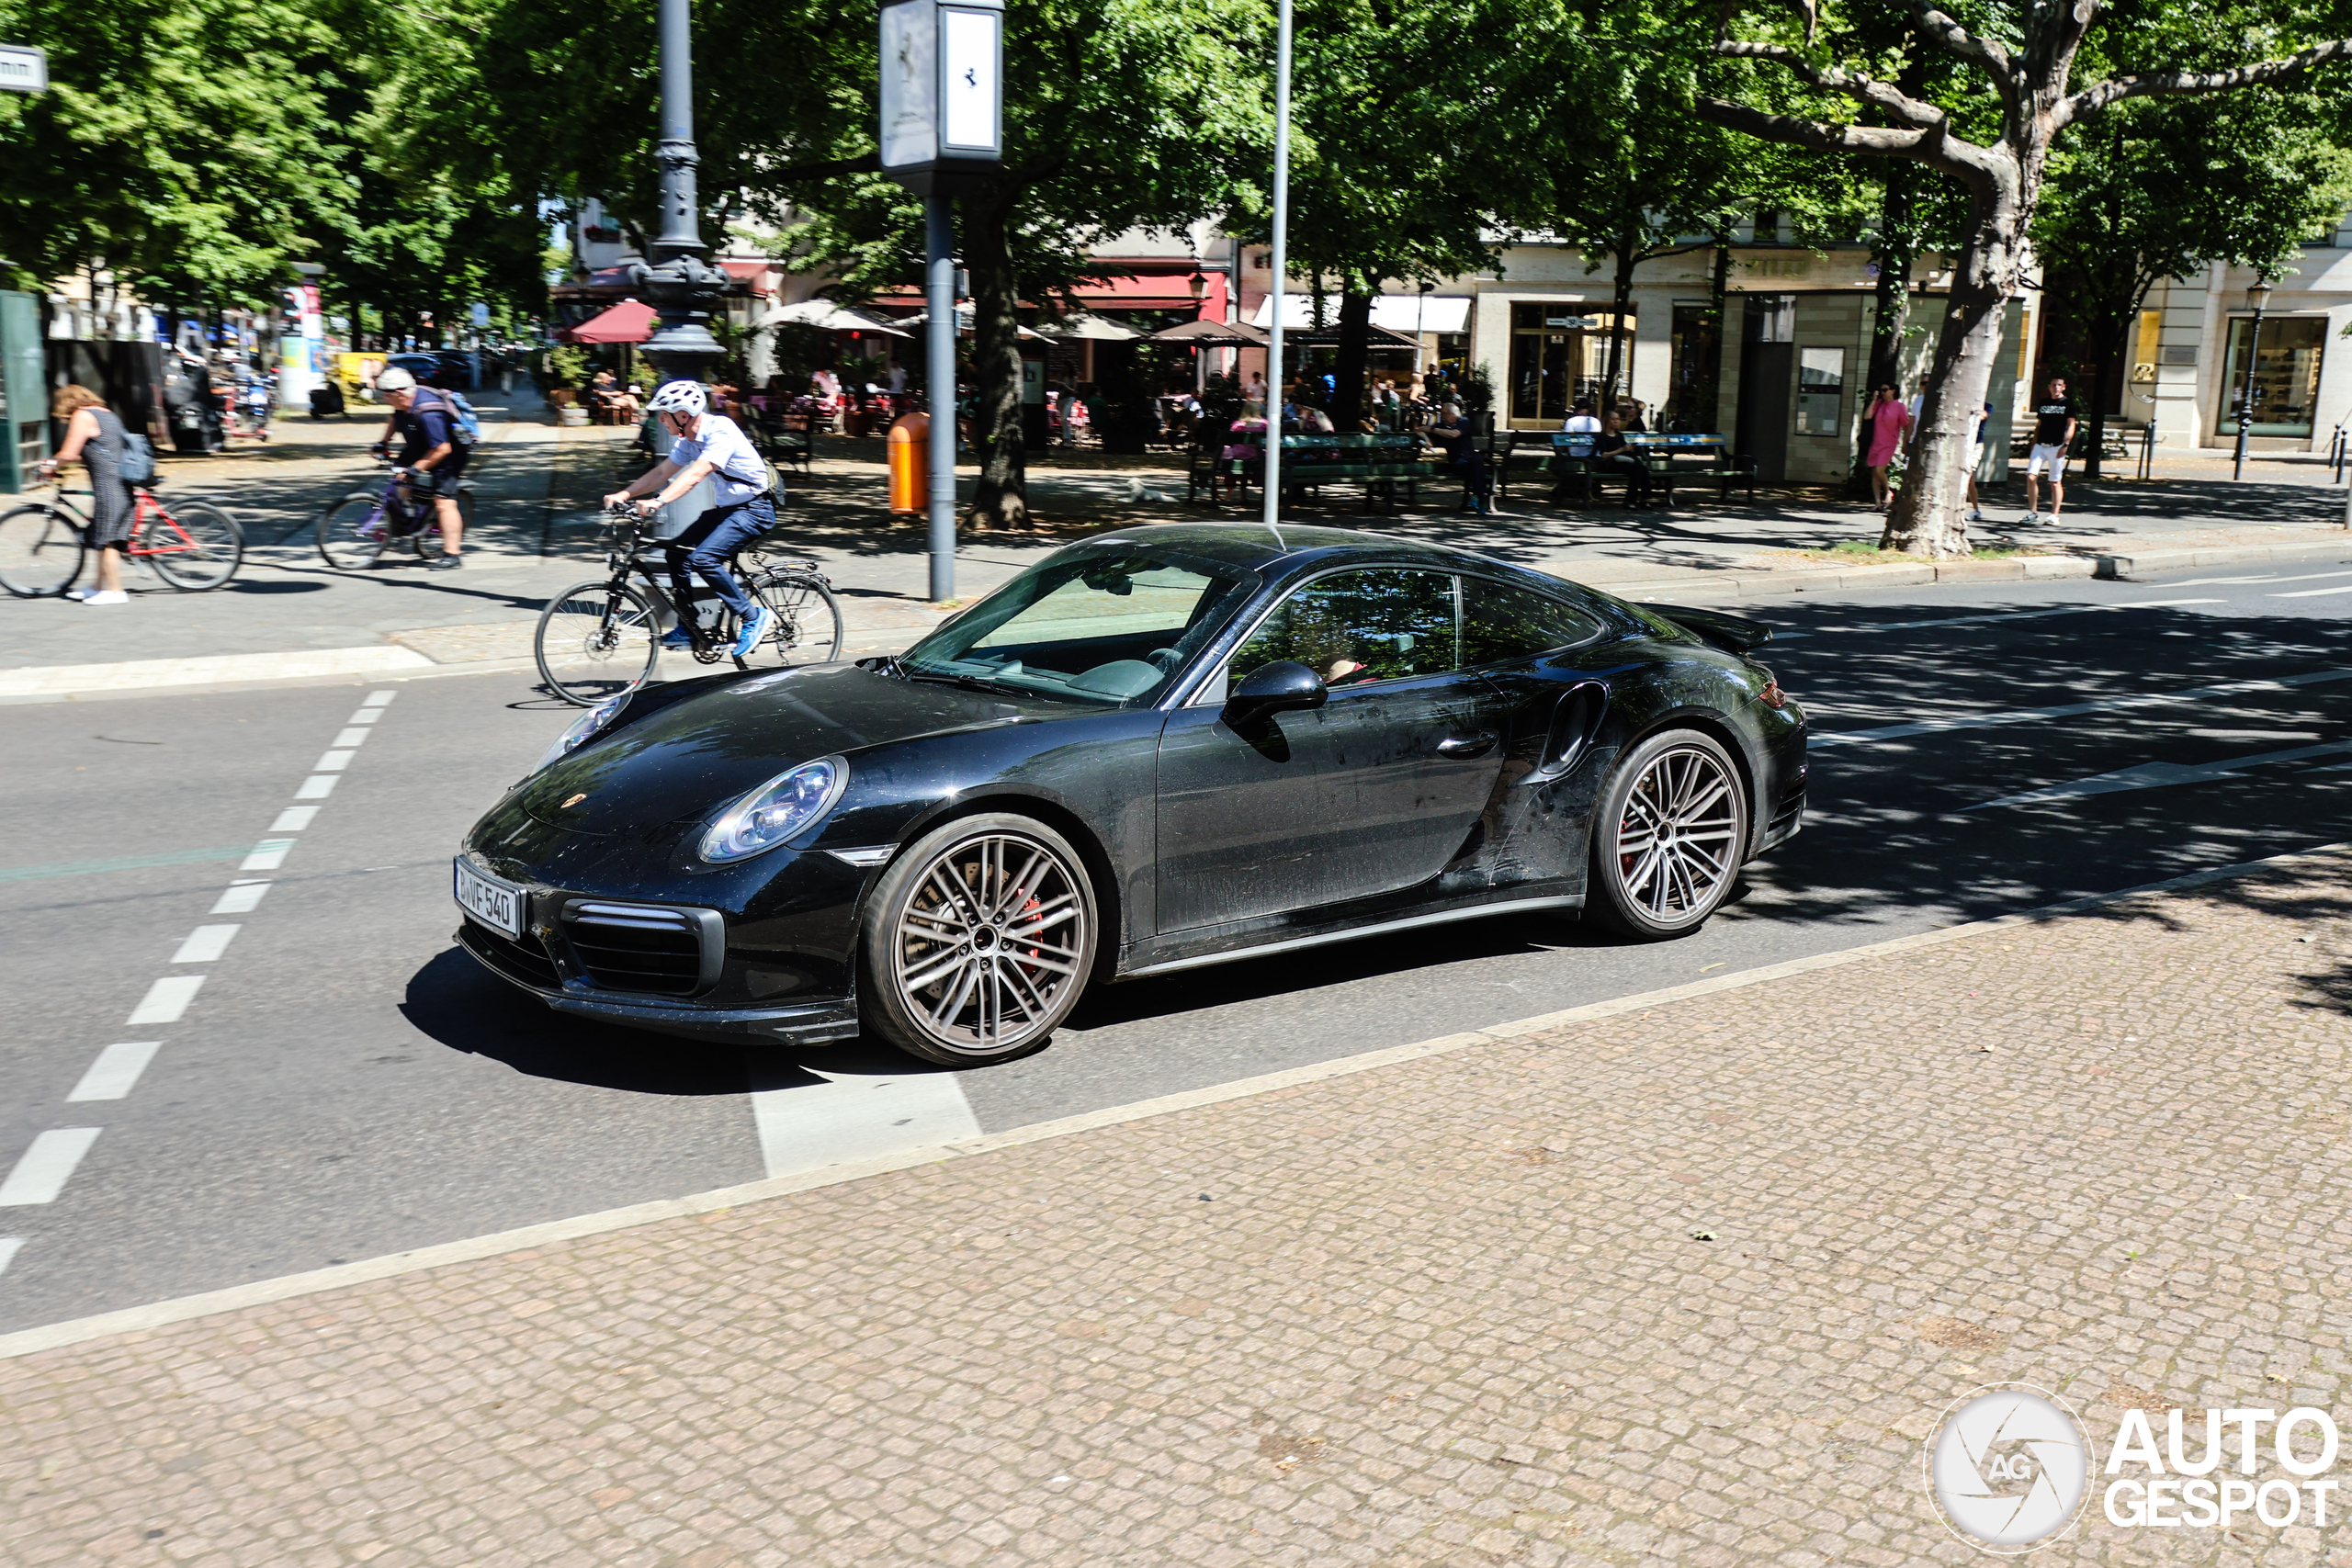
x=1160 y=747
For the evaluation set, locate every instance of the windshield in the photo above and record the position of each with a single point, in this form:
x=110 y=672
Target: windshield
x=1107 y=624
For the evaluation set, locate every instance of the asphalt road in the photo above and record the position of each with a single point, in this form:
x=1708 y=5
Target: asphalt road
x=331 y=1079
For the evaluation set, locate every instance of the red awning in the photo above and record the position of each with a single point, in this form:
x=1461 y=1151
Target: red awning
x=628 y=322
x=1137 y=293
x=750 y=272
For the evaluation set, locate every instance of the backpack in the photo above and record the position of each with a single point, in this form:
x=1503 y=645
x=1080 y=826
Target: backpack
x=465 y=425
x=137 y=465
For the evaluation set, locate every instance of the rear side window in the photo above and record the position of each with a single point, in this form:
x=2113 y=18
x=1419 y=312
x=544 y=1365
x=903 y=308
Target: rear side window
x=1501 y=622
x=1356 y=627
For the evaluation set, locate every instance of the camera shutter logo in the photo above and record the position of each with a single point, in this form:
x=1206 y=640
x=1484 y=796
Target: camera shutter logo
x=2008 y=1468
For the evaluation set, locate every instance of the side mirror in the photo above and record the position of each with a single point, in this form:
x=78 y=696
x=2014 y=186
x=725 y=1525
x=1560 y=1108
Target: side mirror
x=1283 y=686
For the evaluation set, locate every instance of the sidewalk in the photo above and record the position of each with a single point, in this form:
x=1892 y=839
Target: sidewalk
x=288 y=615
x=1685 y=1279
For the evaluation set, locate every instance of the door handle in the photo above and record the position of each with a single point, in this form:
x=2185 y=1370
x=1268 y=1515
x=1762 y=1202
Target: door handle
x=1463 y=748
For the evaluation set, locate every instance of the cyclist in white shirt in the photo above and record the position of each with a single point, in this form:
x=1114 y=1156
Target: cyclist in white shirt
x=714 y=447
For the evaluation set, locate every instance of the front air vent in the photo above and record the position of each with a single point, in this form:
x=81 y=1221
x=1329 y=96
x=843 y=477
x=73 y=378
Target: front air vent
x=645 y=948
x=525 y=959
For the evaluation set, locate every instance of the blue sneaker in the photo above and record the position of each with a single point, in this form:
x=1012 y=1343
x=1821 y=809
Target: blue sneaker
x=677 y=639
x=754 y=630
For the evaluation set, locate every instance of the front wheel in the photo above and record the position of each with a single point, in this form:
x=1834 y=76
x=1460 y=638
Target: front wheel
x=595 y=641
x=194 y=547
x=978 y=940
x=1673 y=827
x=41 y=551
x=354 y=531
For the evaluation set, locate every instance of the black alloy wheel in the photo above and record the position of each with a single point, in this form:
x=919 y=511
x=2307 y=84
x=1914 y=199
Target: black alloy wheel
x=1671 y=835
x=978 y=940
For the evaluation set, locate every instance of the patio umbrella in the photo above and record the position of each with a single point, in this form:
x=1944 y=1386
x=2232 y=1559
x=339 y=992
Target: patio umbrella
x=1214 y=335
x=1086 y=324
x=919 y=317
x=628 y=322
x=830 y=316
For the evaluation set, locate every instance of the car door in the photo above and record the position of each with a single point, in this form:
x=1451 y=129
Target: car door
x=1371 y=794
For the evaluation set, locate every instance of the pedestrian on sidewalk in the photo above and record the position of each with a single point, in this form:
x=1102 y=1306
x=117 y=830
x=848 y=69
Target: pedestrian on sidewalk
x=1889 y=421
x=431 y=462
x=94 y=436
x=2053 y=437
x=1976 y=462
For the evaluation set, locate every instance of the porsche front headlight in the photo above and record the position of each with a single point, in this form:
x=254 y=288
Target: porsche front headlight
x=777 y=810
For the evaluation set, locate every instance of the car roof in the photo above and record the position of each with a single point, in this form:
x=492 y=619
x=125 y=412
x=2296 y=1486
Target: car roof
x=1255 y=545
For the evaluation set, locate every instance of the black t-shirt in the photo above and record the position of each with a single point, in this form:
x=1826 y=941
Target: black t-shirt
x=2050 y=421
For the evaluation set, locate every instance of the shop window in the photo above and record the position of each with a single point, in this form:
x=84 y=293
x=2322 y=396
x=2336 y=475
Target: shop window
x=1559 y=353
x=2286 y=375
x=1821 y=391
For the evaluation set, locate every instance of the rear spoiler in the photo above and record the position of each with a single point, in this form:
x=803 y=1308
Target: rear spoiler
x=1733 y=634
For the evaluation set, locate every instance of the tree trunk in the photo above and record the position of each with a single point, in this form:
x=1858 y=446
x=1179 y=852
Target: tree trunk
x=1348 y=371
x=1928 y=517
x=1621 y=303
x=1719 y=301
x=1001 y=500
x=2106 y=333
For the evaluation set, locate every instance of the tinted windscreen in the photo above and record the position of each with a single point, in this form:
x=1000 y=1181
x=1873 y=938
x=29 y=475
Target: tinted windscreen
x=1107 y=625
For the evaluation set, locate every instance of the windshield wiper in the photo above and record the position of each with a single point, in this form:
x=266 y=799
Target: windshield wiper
x=969 y=683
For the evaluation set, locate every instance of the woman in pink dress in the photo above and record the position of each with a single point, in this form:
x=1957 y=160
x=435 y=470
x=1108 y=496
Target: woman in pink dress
x=1889 y=422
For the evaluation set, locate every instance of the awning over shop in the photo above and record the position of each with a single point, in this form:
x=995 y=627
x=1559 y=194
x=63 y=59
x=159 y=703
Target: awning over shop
x=631 y=320
x=1407 y=313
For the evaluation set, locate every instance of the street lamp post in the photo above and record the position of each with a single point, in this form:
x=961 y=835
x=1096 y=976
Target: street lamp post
x=942 y=125
x=2257 y=297
x=1280 y=261
x=680 y=285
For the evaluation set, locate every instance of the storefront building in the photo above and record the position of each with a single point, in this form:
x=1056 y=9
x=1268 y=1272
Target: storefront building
x=2188 y=355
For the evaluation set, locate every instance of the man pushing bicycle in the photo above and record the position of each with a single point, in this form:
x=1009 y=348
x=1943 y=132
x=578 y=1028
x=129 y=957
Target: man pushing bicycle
x=708 y=445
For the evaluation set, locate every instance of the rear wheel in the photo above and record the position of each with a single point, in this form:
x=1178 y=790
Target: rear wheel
x=808 y=628
x=978 y=940
x=1673 y=827
x=194 y=547
x=595 y=641
x=41 y=551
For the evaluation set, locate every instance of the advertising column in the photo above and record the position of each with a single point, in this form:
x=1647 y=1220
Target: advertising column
x=301 y=353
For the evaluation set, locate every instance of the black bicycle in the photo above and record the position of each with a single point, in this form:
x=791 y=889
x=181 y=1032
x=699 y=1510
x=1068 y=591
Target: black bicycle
x=599 y=638
x=355 y=532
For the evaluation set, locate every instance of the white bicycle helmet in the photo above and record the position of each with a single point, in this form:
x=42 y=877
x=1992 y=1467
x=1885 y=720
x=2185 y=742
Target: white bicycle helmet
x=680 y=397
x=392 y=379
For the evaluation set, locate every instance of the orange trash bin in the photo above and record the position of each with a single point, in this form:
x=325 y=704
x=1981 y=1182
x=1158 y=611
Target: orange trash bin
x=909 y=447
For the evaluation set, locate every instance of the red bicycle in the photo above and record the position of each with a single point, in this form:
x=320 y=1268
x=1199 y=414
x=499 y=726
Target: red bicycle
x=192 y=546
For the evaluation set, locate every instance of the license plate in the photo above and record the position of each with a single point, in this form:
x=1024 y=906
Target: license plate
x=495 y=904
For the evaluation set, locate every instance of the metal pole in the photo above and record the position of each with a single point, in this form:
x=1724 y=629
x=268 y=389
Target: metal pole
x=1280 y=260
x=939 y=341
x=679 y=284
x=2245 y=394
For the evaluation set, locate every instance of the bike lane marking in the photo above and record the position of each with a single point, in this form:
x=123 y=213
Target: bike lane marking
x=41 y=1174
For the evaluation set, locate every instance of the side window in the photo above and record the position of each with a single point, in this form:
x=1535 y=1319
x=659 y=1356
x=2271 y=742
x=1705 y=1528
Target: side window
x=1355 y=627
x=1501 y=622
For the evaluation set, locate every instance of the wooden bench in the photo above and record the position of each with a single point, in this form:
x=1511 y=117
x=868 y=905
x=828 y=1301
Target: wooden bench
x=1381 y=462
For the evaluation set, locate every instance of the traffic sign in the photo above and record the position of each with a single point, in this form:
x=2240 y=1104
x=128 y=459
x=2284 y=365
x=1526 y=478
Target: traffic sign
x=24 y=68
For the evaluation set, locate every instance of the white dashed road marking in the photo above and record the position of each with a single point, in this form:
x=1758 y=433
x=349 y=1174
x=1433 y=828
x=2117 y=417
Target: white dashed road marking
x=857 y=1116
x=241 y=898
x=269 y=856
x=2070 y=710
x=116 y=1068
x=2313 y=592
x=2157 y=775
x=43 y=1171
x=166 y=999
x=205 y=944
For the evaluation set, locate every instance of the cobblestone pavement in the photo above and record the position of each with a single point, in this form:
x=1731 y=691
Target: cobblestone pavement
x=1687 y=1284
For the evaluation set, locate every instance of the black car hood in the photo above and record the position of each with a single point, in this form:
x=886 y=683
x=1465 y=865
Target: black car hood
x=680 y=765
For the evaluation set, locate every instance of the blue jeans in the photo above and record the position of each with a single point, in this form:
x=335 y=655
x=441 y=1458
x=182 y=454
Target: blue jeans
x=710 y=544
